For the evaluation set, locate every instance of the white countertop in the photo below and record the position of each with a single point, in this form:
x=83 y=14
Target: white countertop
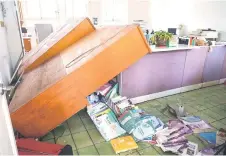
x=178 y=47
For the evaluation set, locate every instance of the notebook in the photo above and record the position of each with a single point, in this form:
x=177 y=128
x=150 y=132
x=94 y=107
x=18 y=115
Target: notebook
x=123 y=144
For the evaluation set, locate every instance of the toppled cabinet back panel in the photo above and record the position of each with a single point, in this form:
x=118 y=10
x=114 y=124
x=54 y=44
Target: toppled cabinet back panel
x=59 y=40
x=63 y=83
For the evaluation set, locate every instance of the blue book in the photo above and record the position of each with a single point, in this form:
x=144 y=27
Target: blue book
x=210 y=137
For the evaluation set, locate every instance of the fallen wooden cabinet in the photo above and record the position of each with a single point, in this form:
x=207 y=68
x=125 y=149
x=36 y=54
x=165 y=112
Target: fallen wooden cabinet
x=57 y=89
x=59 y=40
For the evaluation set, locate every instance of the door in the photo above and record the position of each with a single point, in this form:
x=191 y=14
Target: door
x=7 y=139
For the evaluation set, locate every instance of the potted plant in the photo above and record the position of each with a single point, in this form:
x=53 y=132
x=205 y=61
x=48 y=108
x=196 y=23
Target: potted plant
x=161 y=38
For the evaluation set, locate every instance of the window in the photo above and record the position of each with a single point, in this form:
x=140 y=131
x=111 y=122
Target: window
x=53 y=9
x=48 y=9
x=31 y=9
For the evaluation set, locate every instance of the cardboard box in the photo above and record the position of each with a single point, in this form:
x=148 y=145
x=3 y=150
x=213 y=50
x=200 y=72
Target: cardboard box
x=59 y=40
x=56 y=90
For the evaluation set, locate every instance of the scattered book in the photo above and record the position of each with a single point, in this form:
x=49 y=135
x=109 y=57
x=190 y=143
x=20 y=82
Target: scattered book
x=210 y=137
x=123 y=144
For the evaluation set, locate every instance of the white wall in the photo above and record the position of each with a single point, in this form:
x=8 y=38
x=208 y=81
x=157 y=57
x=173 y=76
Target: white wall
x=12 y=32
x=5 y=62
x=194 y=14
x=94 y=10
x=7 y=139
x=139 y=10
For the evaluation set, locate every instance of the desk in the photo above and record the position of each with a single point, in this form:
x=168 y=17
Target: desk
x=168 y=71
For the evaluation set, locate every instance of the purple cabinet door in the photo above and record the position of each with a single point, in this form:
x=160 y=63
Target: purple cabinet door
x=153 y=73
x=213 y=64
x=194 y=66
x=223 y=72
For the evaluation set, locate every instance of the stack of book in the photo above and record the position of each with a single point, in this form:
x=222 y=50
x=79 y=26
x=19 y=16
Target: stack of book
x=105 y=121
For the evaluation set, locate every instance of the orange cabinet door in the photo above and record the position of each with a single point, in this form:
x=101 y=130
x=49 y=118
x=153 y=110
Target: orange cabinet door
x=27 y=44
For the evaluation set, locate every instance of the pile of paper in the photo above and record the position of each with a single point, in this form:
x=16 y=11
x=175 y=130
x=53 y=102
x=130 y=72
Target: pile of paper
x=104 y=93
x=139 y=124
x=172 y=138
x=134 y=120
x=106 y=101
x=197 y=125
x=120 y=104
x=105 y=121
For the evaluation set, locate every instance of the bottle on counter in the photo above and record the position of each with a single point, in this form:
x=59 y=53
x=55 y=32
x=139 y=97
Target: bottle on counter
x=147 y=35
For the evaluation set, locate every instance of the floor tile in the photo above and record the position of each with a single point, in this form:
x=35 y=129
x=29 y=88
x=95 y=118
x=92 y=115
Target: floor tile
x=75 y=152
x=48 y=136
x=198 y=107
x=165 y=119
x=185 y=99
x=219 y=111
x=105 y=148
x=90 y=150
x=157 y=105
x=190 y=109
x=82 y=140
x=83 y=114
x=218 y=125
x=50 y=141
x=62 y=130
x=213 y=115
x=204 y=117
x=73 y=118
x=168 y=114
x=162 y=100
x=95 y=136
x=148 y=151
x=222 y=107
x=223 y=121
x=88 y=123
x=207 y=105
x=160 y=151
x=76 y=125
x=142 y=145
x=175 y=98
x=154 y=111
x=66 y=140
x=216 y=100
x=134 y=153
x=130 y=152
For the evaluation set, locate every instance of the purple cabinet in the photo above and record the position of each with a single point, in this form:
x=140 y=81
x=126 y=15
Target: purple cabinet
x=161 y=71
x=193 y=70
x=223 y=72
x=213 y=64
x=153 y=73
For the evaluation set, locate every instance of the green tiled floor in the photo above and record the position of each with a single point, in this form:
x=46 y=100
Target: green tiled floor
x=80 y=132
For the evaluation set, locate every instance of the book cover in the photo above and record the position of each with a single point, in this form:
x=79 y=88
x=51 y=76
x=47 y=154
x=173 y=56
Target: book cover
x=123 y=144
